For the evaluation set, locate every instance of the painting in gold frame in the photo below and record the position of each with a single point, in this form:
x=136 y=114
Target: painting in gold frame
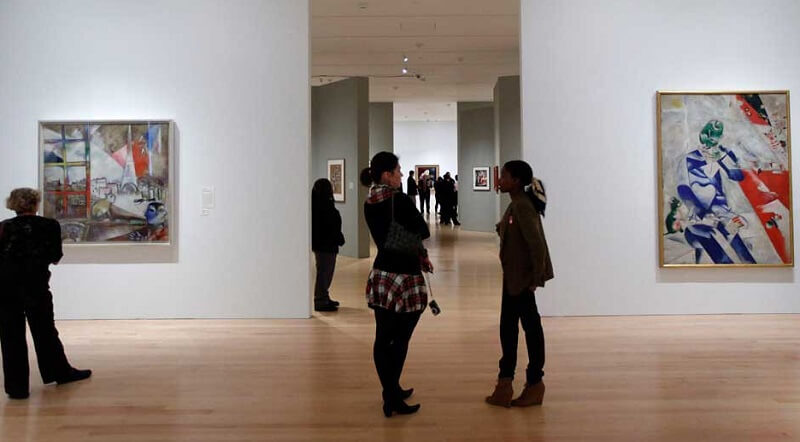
x=724 y=179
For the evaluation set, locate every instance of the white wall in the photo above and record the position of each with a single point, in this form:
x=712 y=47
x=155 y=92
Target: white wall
x=423 y=142
x=233 y=75
x=590 y=71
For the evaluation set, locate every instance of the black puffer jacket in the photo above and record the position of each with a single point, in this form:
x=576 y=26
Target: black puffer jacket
x=378 y=212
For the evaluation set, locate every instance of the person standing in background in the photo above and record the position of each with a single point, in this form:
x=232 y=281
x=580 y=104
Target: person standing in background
x=411 y=183
x=446 y=197
x=424 y=190
x=454 y=206
x=437 y=195
x=326 y=238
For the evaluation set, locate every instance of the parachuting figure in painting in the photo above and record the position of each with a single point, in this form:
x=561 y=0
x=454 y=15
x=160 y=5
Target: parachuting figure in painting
x=711 y=225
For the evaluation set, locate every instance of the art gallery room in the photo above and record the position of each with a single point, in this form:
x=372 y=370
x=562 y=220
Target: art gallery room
x=176 y=144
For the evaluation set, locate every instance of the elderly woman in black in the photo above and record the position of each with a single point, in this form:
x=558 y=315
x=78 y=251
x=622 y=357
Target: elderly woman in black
x=28 y=245
x=396 y=289
x=326 y=238
x=526 y=266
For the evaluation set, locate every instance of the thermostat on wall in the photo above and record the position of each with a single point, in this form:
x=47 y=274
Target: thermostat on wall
x=207 y=199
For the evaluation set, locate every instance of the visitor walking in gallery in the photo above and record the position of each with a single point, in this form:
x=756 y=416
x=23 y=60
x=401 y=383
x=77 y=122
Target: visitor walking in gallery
x=396 y=289
x=424 y=188
x=412 y=187
x=28 y=245
x=526 y=266
x=326 y=238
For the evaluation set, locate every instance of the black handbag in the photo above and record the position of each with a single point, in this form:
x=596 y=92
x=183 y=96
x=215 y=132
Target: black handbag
x=400 y=240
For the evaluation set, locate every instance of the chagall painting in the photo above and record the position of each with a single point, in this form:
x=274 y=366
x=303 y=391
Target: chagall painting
x=725 y=179
x=107 y=182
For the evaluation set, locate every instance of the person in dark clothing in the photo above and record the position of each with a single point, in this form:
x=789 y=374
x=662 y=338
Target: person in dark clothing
x=424 y=187
x=437 y=185
x=396 y=289
x=454 y=213
x=28 y=245
x=326 y=238
x=526 y=266
x=411 y=185
x=447 y=199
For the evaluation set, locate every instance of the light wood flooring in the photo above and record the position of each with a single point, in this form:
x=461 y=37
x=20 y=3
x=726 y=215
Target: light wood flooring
x=693 y=378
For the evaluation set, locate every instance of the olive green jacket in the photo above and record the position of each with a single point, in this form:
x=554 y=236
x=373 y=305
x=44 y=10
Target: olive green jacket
x=523 y=248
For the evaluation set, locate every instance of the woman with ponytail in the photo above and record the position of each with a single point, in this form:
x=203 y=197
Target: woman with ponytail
x=526 y=266
x=396 y=289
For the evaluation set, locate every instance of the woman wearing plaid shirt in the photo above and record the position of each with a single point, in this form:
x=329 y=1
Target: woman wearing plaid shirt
x=396 y=289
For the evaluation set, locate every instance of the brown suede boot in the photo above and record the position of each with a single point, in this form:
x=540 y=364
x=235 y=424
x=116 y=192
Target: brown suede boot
x=531 y=395
x=503 y=392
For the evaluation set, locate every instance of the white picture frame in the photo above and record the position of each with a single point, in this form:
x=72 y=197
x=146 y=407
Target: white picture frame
x=481 y=179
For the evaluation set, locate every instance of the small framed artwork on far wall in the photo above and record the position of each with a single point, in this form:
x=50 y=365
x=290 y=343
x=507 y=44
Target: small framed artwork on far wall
x=336 y=177
x=480 y=178
x=432 y=170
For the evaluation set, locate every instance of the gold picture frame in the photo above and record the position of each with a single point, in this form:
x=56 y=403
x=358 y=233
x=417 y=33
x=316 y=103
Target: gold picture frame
x=724 y=179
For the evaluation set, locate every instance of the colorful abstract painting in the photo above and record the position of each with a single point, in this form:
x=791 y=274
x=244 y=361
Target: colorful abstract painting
x=431 y=169
x=107 y=182
x=725 y=179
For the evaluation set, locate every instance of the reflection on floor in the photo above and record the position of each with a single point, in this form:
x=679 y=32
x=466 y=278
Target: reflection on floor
x=608 y=378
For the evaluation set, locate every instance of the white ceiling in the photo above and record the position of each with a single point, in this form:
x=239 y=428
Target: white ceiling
x=459 y=47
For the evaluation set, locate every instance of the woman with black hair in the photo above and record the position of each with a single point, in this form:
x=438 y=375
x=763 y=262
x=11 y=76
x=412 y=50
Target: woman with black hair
x=526 y=266
x=396 y=289
x=326 y=238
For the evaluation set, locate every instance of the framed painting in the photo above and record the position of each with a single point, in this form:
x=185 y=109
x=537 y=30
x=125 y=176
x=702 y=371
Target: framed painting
x=480 y=178
x=724 y=179
x=431 y=169
x=336 y=177
x=496 y=179
x=108 y=182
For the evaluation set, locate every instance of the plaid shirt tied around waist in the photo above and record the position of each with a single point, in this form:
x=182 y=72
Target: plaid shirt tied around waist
x=399 y=292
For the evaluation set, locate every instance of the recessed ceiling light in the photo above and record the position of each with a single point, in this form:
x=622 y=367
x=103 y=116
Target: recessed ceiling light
x=405 y=59
x=405 y=70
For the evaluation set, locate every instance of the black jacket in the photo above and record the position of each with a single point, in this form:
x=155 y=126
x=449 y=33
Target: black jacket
x=378 y=213
x=326 y=227
x=28 y=245
x=412 y=186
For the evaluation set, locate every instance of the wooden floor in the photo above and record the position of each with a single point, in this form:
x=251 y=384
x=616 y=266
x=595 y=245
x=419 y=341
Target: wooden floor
x=721 y=378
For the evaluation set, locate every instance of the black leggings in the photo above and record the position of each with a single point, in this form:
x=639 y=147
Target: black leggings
x=516 y=309
x=37 y=307
x=392 y=333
